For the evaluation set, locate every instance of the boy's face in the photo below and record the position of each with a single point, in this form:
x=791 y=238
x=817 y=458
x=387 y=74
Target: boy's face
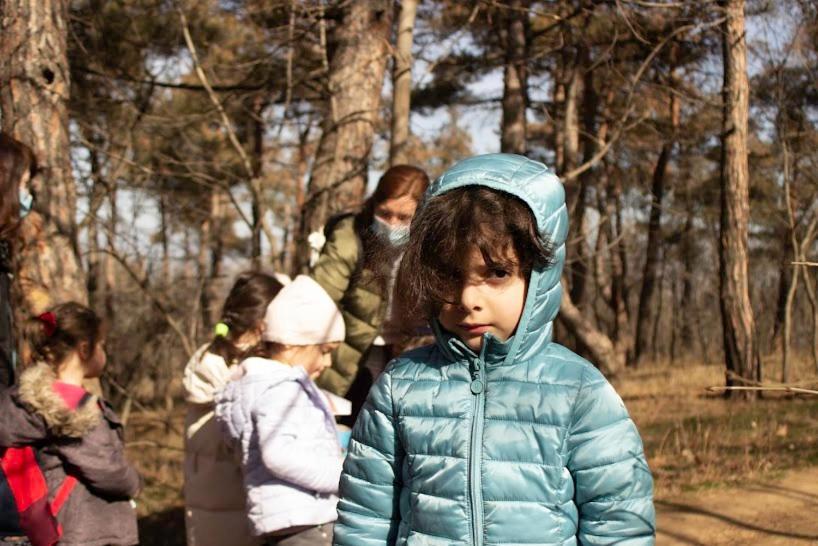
x=488 y=300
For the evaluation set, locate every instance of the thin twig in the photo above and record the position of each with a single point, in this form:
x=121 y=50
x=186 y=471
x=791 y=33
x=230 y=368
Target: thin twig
x=226 y=124
x=629 y=105
x=143 y=285
x=797 y=390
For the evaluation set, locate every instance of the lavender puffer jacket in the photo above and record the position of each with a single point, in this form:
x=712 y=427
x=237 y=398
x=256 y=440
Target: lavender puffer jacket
x=289 y=448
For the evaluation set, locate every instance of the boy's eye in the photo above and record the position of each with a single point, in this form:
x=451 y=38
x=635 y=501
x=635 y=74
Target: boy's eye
x=499 y=273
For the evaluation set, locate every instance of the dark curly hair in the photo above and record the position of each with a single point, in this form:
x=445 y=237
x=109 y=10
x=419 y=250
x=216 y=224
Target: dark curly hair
x=448 y=228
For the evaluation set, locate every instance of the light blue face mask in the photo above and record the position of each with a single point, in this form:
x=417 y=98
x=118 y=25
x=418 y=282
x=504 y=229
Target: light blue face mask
x=26 y=201
x=394 y=235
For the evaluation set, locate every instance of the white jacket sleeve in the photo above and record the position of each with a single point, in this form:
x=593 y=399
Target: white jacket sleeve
x=286 y=448
x=205 y=374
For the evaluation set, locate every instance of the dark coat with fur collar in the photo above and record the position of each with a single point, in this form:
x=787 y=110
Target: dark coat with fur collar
x=86 y=442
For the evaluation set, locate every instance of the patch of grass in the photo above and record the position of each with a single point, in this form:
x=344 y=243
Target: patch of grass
x=696 y=440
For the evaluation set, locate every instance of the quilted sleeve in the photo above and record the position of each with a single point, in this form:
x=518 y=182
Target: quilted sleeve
x=337 y=262
x=368 y=513
x=613 y=484
x=286 y=447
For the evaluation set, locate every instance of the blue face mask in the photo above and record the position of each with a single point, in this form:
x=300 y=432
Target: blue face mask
x=26 y=201
x=394 y=235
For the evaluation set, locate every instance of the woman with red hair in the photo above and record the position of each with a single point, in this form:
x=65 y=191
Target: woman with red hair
x=18 y=165
x=357 y=268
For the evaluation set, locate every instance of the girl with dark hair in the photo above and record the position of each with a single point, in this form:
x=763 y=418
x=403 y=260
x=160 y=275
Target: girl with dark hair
x=78 y=437
x=214 y=494
x=17 y=167
x=357 y=267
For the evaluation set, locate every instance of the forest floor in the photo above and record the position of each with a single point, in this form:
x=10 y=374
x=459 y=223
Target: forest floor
x=726 y=472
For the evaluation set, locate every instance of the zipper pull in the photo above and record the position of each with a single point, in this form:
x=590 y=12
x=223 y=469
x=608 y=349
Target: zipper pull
x=477 y=385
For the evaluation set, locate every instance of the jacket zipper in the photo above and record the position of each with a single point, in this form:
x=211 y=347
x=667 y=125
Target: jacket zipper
x=478 y=387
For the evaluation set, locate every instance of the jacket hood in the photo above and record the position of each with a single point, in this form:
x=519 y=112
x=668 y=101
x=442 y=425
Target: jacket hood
x=205 y=373
x=539 y=188
x=36 y=391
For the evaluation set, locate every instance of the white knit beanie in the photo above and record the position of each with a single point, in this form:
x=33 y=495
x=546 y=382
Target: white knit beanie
x=303 y=314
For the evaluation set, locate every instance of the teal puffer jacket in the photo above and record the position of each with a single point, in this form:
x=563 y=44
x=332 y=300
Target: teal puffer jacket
x=525 y=443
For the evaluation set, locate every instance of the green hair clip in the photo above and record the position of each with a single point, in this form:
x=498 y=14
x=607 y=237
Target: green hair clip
x=221 y=329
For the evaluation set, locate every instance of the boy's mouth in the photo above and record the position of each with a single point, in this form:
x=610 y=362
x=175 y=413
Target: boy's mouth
x=474 y=328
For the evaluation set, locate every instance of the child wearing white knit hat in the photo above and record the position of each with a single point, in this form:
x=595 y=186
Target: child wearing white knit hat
x=284 y=424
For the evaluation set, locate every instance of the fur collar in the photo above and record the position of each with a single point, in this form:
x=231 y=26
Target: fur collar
x=37 y=391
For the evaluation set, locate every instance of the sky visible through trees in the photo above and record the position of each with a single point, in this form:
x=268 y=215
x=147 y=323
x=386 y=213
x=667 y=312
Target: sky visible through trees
x=203 y=136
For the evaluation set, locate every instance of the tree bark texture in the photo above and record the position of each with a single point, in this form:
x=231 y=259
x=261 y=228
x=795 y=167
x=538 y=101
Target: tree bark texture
x=688 y=252
x=646 y=315
x=589 y=139
x=794 y=256
x=34 y=90
x=603 y=352
x=513 y=28
x=740 y=347
x=356 y=70
x=402 y=82
x=619 y=265
x=809 y=285
x=257 y=206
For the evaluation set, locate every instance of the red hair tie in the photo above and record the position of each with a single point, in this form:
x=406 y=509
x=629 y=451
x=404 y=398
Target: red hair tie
x=49 y=321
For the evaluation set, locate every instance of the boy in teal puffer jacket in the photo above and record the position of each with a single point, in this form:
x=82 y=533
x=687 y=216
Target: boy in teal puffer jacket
x=495 y=435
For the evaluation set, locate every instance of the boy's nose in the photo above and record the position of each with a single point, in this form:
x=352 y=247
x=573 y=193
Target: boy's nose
x=470 y=297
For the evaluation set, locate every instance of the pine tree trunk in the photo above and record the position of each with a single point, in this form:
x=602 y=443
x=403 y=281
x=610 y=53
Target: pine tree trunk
x=288 y=264
x=205 y=236
x=809 y=285
x=619 y=267
x=604 y=353
x=94 y=279
x=110 y=262
x=257 y=206
x=646 y=315
x=513 y=29
x=558 y=138
x=688 y=255
x=402 y=83
x=740 y=347
x=216 y=254
x=587 y=180
x=33 y=107
x=356 y=72
x=657 y=316
x=785 y=271
x=794 y=256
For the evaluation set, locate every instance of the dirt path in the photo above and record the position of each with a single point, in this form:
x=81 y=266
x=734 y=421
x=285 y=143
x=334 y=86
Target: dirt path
x=760 y=513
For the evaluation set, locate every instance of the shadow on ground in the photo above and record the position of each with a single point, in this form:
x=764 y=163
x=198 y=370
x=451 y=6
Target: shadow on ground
x=756 y=513
x=163 y=528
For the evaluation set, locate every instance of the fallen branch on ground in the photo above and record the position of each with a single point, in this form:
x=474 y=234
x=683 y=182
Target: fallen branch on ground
x=783 y=388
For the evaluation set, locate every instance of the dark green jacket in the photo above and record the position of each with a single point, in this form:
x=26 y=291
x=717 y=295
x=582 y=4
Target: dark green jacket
x=359 y=296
